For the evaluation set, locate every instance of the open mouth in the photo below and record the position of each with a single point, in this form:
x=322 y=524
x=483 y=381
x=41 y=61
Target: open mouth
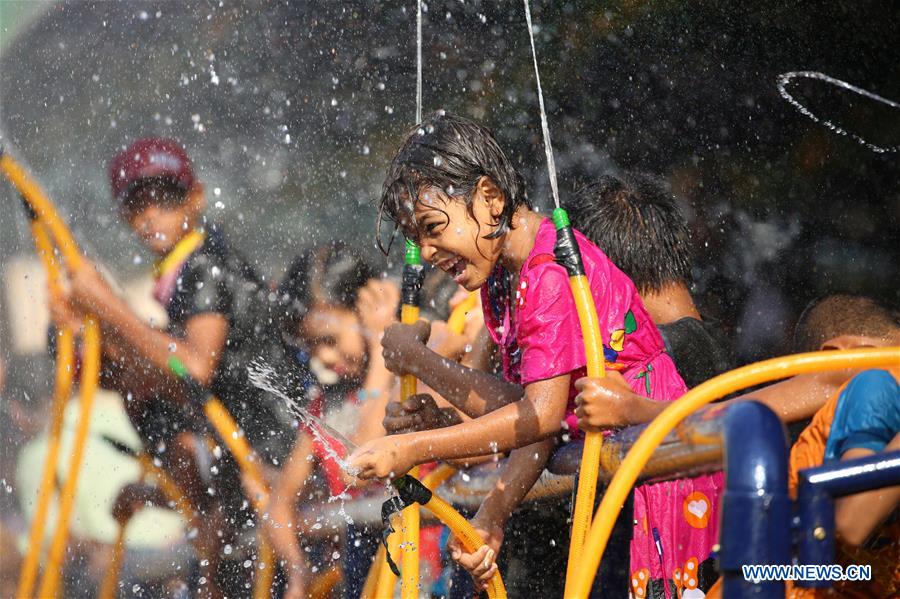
x=456 y=268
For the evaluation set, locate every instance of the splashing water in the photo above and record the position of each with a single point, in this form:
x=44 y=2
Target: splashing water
x=264 y=377
x=545 y=129
x=785 y=78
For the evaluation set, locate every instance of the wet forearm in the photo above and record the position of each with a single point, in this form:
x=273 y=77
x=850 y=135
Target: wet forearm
x=507 y=428
x=474 y=392
x=522 y=470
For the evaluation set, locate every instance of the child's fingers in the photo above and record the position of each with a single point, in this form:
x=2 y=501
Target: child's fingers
x=414 y=403
x=486 y=576
x=472 y=561
x=393 y=408
x=583 y=383
x=397 y=424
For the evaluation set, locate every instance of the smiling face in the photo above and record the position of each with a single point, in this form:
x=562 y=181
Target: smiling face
x=451 y=235
x=335 y=338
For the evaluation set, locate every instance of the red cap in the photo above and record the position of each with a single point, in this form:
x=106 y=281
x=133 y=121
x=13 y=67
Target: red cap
x=150 y=157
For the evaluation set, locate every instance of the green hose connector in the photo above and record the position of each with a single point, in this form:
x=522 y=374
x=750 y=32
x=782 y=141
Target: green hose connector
x=413 y=255
x=561 y=218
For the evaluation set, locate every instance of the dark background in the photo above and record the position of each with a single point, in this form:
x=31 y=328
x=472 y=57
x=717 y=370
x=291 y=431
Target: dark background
x=782 y=209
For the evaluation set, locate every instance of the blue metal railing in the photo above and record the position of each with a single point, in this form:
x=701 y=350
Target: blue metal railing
x=817 y=490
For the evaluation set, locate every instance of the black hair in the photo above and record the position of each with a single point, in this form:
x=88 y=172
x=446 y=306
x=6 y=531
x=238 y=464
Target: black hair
x=153 y=191
x=332 y=273
x=842 y=314
x=637 y=223
x=450 y=153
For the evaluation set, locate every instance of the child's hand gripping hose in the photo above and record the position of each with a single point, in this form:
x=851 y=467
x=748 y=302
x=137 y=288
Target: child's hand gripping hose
x=41 y=206
x=231 y=434
x=579 y=586
x=568 y=256
x=413 y=274
x=410 y=492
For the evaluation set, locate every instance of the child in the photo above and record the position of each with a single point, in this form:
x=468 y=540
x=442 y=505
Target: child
x=639 y=227
x=863 y=419
x=632 y=218
x=212 y=298
x=836 y=322
x=453 y=191
x=339 y=311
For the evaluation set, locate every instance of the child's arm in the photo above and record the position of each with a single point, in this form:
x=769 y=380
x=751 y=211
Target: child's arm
x=422 y=413
x=522 y=470
x=609 y=402
x=199 y=350
x=856 y=516
x=281 y=526
x=533 y=418
x=474 y=392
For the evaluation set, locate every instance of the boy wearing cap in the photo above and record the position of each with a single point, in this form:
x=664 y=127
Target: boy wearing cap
x=212 y=297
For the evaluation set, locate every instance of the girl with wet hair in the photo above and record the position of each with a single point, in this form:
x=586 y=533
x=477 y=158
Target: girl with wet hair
x=453 y=191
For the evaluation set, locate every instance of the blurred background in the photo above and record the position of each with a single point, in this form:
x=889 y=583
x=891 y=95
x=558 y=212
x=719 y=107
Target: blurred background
x=291 y=112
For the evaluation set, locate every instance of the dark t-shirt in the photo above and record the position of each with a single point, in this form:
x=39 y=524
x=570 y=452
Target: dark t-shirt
x=216 y=279
x=698 y=348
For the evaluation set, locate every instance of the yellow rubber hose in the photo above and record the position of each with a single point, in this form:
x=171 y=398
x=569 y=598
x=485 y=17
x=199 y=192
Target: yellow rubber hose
x=42 y=206
x=47 y=215
x=111 y=576
x=457 y=319
x=438 y=476
x=386 y=578
x=380 y=568
x=62 y=390
x=409 y=583
x=248 y=462
x=90 y=375
x=569 y=256
x=323 y=584
x=715 y=388
x=468 y=537
x=372 y=578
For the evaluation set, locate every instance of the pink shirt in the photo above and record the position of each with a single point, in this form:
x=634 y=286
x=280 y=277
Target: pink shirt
x=540 y=337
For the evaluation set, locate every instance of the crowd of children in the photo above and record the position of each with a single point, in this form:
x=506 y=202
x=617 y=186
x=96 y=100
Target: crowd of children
x=510 y=389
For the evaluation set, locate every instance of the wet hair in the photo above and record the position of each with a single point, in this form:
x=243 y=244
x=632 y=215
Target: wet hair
x=841 y=314
x=449 y=153
x=153 y=191
x=332 y=273
x=637 y=223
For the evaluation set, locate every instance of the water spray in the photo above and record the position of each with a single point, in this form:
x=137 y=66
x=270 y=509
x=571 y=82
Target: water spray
x=786 y=78
x=568 y=256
